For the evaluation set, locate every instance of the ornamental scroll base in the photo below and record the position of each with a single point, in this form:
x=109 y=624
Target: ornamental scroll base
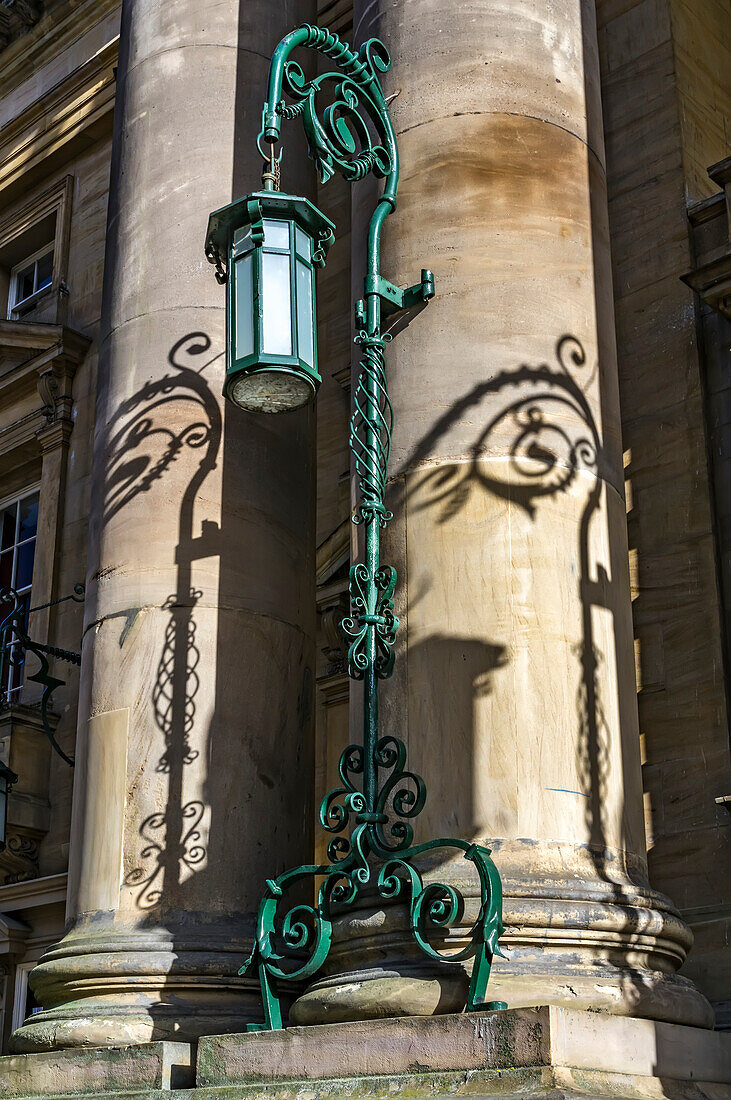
x=378 y=797
x=376 y=862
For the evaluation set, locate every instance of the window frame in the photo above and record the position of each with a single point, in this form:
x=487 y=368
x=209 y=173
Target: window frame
x=14 y=694
x=57 y=200
x=20 y=994
x=17 y=307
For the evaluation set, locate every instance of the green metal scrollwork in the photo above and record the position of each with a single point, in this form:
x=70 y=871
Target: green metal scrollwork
x=15 y=643
x=378 y=797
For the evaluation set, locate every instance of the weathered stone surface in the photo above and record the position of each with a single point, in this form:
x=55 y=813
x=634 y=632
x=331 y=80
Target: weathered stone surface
x=162 y=1066
x=546 y=1036
x=528 y=1053
x=663 y=105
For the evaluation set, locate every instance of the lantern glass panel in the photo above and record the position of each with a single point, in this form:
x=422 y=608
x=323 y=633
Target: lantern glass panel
x=276 y=304
x=276 y=234
x=242 y=240
x=305 y=334
x=303 y=244
x=244 y=284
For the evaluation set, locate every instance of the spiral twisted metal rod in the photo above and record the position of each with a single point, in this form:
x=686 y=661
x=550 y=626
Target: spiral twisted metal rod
x=371 y=854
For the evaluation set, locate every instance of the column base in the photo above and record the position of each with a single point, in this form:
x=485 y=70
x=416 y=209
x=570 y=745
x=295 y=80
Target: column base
x=575 y=938
x=115 y=986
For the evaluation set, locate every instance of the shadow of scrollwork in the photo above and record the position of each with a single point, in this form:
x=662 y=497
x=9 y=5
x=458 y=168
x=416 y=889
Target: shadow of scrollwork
x=163 y=692
x=552 y=429
x=552 y=437
x=191 y=852
x=148 y=434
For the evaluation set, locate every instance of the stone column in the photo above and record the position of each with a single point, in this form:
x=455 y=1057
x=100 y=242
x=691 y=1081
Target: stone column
x=514 y=688
x=193 y=757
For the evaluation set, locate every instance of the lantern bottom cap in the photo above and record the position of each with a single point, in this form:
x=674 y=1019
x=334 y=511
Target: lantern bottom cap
x=270 y=390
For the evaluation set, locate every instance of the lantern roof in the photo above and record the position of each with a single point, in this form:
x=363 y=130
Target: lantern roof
x=249 y=210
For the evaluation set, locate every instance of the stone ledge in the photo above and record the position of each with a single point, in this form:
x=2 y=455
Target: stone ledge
x=528 y=1037
x=81 y=1072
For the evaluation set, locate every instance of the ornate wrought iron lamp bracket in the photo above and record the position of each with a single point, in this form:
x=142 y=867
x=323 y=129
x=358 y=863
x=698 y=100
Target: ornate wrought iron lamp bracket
x=354 y=136
x=15 y=642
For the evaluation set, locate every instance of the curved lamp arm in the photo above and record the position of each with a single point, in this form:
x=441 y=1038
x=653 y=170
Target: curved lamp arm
x=340 y=139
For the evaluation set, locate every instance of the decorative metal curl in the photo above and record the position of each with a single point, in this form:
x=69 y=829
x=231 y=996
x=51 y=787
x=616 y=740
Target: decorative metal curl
x=371 y=599
x=15 y=643
x=292 y=943
x=349 y=135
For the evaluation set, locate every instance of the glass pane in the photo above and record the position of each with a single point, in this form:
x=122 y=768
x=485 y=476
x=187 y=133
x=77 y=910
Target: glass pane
x=24 y=286
x=277 y=308
x=6 y=569
x=242 y=240
x=44 y=271
x=244 y=306
x=276 y=234
x=302 y=243
x=28 y=517
x=7 y=526
x=305 y=326
x=24 y=567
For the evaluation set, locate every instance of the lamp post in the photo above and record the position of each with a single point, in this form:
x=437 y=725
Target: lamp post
x=265 y=247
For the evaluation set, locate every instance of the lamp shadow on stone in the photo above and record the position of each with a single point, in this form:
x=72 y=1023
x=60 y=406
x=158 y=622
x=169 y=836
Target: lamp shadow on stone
x=540 y=417
x=146 y=435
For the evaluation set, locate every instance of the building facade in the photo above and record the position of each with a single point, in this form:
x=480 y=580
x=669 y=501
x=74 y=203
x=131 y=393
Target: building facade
x=558 y=486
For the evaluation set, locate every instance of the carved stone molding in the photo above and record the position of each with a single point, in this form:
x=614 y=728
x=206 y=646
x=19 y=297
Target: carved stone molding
x=26 y=750
x=17 y=17
x=19 y=859
x=332 y=607
x=711 y=222
x=43 y=358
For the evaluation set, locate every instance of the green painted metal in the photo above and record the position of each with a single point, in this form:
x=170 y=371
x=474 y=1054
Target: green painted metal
x=378 y=797
x=15 y=643
x=235 y=232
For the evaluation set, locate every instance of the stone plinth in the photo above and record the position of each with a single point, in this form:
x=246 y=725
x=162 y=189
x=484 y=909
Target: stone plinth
x=517 y=1038
x=98 y=1071
x=545 y=1051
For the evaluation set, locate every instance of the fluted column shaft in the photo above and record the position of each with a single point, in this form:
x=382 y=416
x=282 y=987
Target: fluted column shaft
x=194 y=742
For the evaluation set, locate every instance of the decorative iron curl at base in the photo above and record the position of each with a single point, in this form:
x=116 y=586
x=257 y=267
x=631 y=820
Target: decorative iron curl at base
x=283 y=937
x=292 y=944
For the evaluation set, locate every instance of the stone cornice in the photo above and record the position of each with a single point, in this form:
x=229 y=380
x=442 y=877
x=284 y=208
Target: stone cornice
x=46 y=359
x=62 y=23
x=16 y=18
x=34 y=892
x=711 y=221
x=58 y=117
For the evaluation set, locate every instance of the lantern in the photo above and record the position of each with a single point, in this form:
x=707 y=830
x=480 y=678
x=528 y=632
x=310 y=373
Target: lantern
x=266 y=248
x=7 y=779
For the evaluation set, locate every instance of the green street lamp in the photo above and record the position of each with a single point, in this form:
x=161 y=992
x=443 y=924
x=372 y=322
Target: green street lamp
x=265 y=247
x=7 y=780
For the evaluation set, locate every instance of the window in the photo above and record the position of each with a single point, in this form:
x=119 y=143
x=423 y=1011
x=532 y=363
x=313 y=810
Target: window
x=34 y=249
x=24 y=1003
x=18 y=527
x=28 y=279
